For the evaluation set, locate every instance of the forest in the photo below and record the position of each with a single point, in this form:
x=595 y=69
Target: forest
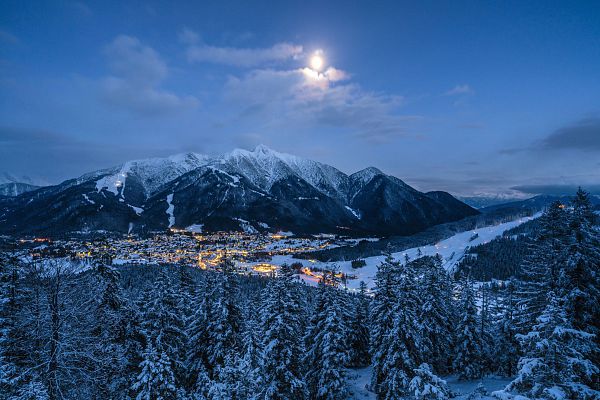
x=70 y=331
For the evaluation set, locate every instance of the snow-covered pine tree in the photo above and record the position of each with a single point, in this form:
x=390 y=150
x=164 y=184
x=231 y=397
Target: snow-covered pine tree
x=156 y=380
x=506 y=346
x=404 y=343
x=327 y=353
x=435 y=313
x=579 y=282
x=382 y=316
x=425 y=385
x=555 y=364
x=224 y=328
x=467 y=359
x=359 y=330
x=163 y=324
x=109 y=334
x=281 y=369
x=9 y=311
x=539 y=271
x=197 y=363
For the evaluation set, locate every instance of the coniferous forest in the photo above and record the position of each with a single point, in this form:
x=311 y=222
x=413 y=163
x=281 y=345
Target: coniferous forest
x=171 y=332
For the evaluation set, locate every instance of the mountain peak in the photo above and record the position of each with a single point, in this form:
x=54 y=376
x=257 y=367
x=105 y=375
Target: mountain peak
x=365 y=175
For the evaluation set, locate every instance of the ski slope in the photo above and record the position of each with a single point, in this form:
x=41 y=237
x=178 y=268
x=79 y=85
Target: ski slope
x=451 y=249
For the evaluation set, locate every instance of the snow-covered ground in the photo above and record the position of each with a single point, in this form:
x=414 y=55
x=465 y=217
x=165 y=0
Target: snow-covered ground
x=359 y=378
x=451 y=249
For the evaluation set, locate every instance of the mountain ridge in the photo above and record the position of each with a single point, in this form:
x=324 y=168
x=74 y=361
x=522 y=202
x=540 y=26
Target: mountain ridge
x=266 y=189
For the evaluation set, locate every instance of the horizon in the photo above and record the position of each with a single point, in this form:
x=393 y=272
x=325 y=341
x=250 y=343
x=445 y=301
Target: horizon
x=468 y=98
x=514 y=193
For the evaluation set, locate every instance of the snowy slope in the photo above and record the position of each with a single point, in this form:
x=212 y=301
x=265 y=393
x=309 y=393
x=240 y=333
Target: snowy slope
x=451 y=250
x=152 y=173
x=263 y=167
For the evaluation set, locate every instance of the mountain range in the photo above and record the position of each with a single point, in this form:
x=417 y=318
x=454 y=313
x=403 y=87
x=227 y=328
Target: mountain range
x=259 y=190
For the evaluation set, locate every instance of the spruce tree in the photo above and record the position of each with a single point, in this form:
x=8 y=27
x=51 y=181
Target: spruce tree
x=556 y=363
x=467 y=360
x=156 y=380
x=281 y=368
x=327 y=351
x=382 y=317
x=359 y=330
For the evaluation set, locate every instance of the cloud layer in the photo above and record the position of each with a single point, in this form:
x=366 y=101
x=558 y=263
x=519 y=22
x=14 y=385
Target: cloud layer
x=240 y=57
x=137 y=74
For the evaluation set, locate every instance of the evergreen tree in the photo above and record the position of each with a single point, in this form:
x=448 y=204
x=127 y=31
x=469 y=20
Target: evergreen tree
x=163 y=324
x=327 y=351
x=555 y=364
x=426 y=385
x=435 y=313
x=359 y=330
x=404 y=344
x=109 y=335
x=224 y=327
x=156 y=380
x=539 y=272
x=580 y=279
x=467 y=361
x=281 y=369
x=506 y=346
x=382 y=317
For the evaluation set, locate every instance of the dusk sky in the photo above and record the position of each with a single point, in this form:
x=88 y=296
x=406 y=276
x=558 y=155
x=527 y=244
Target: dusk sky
x=470 y=97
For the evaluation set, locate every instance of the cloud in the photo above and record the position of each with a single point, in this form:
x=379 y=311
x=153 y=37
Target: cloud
x=557 y=189
x=243 y=57
x=188 y=36
x=137 y=74
x=459 y=90
x=304 y=98
x=583 y=136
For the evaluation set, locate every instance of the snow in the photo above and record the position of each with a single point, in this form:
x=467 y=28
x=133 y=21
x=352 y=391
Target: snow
x=153 y=173
x=451 y=249
x=85 y=196
x=354 y=212
x=246 y=226
x=358 y=379
x=170 y=210
x=364 y=176
x=138 y=210
x=196 y=228
x=464 y=388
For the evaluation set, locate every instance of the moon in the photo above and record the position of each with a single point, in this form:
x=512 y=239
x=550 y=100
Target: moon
x=317 y=62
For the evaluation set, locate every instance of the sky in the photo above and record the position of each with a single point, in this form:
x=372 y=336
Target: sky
x=472 y=97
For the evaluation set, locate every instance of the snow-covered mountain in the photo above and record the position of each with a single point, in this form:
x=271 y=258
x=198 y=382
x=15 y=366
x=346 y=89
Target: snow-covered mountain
x=252 y=190
x=12 y=185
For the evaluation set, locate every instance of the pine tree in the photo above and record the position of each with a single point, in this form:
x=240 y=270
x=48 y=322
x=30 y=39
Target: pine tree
x=382 y=317
x=435 y=313
x=224 y=327
x=580 y=279
x=539 y=272
x=164 y=325
x=426 y=385
x=109 y=334
x=197 y=363
x=506 y=346
x=467 y=361
x=359 y=330
x=156 y=380
x=555 y=364
x=281 y=369
x=327 y=351
x=404 y=344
